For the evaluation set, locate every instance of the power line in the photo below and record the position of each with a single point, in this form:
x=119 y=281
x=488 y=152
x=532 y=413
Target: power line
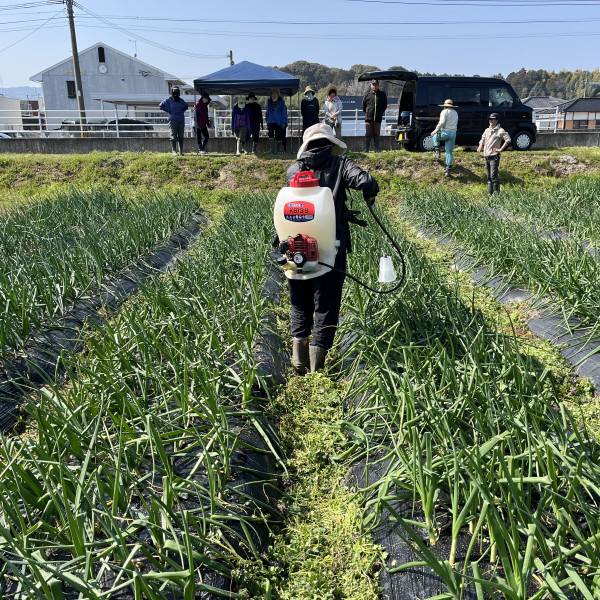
x=397 y=37
x=29 y=5
x=32 y=32
x=147 y=41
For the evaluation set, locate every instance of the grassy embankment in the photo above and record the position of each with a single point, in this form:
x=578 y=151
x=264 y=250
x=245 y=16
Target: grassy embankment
x=324 y=526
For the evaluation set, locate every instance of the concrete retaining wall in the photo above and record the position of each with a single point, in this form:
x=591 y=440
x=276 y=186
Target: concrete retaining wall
x=227 y=145
x=565 y=139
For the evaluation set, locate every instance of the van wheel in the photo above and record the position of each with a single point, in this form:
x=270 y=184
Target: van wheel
x=425 y=143
x=523 y=140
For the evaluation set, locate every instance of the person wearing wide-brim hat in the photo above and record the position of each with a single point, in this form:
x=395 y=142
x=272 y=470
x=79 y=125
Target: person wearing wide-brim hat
x=446 y=130
x=493 y=141
x=309 y=108
x=333 y=110
x=316 y=302
x=257 y=119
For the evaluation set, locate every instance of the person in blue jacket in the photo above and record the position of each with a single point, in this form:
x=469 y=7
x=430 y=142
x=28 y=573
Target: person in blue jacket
x=276 y=117
x=175 y=107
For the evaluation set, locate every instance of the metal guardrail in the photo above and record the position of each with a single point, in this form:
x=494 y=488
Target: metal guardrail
x=143 y=123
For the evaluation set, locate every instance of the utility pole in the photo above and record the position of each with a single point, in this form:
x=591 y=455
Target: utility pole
x=76 y=70
x=231 y=63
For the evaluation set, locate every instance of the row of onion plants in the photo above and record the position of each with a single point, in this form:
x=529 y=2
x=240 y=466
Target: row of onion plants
x=559 y=268
x=58 y=248
x=137 y=482
x=572 y=206
x=452 y=421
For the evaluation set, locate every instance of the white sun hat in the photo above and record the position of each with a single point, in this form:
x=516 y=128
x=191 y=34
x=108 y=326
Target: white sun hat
x=321 y=131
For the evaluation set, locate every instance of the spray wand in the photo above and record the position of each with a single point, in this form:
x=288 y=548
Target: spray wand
x=385 y=262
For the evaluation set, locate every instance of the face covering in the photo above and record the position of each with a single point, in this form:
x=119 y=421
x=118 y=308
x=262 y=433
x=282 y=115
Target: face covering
x=241 y=104
x=309 y=96
x=176 y=94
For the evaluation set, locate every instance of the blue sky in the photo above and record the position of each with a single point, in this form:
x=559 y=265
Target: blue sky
x=481 y=37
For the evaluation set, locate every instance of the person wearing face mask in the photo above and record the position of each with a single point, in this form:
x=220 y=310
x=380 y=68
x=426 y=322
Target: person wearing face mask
x=276 y=117
x=201 y=119
x=257 y=119
x=316 y=302
x=175 y=107
x=309 y=108
x=241 y=125
x=333 y=111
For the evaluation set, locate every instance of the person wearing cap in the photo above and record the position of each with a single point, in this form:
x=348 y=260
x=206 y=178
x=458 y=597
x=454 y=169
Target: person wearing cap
x=175 y=107
x=316 y=302
x=333 y=111
x=257 y=119
x=493 y=141
x=374 y=104
x=276 y=118
x=201 y=122
x=446 y=130
x=241 y=125
x=309 y=108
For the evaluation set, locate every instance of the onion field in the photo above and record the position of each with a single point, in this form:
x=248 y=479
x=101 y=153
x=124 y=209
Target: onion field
x=57 y=249
x=157 y=471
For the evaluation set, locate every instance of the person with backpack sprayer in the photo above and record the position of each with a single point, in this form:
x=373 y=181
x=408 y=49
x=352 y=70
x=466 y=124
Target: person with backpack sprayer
x=316 y=299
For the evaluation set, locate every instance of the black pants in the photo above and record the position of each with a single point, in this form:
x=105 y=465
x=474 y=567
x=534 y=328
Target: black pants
x=276 y=131
x=202 y=137
x=317 y=302
x=491 y=171
x=255 y=132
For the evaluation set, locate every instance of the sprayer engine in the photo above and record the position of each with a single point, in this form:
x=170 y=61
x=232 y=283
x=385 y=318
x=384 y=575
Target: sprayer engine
x=302 y=250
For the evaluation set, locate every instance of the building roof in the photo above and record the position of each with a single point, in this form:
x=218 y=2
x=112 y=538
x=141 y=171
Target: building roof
x=582 y=105
x=542 y=102
x=149 y=100
x=167 y=76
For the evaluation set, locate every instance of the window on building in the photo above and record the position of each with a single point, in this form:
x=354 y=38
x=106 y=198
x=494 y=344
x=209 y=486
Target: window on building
x=580 y=124
x=71 y=92
x=101 y=54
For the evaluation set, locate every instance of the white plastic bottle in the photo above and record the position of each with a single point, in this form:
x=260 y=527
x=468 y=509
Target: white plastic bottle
x=305 y=207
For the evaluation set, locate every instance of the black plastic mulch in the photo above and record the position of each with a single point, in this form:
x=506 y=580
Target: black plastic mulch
x=39 y=361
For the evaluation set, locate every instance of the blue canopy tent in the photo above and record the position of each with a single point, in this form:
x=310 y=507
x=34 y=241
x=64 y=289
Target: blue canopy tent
x=246 y=77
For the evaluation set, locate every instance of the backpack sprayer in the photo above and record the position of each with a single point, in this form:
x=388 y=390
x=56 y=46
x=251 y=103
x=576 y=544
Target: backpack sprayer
x=304 y=217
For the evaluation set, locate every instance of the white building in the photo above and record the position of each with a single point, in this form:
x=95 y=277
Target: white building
x=10 y=114
x=104 y=70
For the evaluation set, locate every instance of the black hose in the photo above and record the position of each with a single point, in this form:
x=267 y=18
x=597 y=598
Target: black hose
x=368 y=287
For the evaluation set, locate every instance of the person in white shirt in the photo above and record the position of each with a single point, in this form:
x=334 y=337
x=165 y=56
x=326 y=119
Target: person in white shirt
x=446 y=130
x=493 y=141
x=333 y=112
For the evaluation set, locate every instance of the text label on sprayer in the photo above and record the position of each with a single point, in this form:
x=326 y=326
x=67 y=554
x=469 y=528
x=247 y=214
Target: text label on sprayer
x=299 y=211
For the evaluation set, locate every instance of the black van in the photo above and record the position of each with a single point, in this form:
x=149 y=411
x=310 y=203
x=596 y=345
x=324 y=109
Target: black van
x=476 y=97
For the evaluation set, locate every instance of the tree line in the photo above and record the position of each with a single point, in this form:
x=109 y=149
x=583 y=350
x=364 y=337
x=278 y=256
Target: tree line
x=564 y=84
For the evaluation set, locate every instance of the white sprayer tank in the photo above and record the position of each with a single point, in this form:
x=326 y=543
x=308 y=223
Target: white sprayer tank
x=305 y=207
